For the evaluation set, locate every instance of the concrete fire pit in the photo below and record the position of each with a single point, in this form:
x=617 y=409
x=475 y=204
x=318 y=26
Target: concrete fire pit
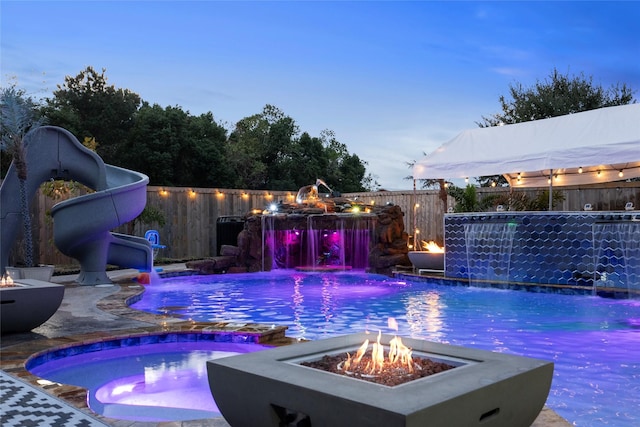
x=272 y=388
x=28 y=304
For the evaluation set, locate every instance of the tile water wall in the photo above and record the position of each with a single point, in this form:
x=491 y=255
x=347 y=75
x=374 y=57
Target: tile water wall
x=547 y=248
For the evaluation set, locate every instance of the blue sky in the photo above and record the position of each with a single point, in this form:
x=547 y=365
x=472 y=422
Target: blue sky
x=392 y=79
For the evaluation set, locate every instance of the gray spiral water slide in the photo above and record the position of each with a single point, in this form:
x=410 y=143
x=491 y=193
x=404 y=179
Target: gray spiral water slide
x=81 y=225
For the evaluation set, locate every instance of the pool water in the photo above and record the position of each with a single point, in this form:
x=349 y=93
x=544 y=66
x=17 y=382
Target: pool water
x=594 y=342
x=164 y=381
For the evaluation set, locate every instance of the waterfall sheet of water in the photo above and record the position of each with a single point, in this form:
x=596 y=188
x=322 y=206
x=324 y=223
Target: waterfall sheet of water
x=616 y=255
x=343 y=243
x=489 y=247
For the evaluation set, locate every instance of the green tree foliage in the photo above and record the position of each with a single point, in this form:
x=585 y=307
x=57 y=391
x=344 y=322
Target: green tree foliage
x=88 y=107
x=150 y=216
x=557 y=95
x=177 y=149
x=351 y=170
x=250 y=150
x=344 y=172
x=310 y=152
x=492 y=181
x=264 y=151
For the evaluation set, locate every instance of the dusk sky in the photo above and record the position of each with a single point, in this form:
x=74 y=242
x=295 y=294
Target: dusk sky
x=392 y=79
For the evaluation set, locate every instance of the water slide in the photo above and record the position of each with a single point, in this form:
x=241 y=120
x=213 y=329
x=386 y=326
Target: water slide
x=81 y=225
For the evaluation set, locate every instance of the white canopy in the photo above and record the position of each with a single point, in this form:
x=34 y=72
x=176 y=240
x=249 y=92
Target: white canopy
x=581 y=148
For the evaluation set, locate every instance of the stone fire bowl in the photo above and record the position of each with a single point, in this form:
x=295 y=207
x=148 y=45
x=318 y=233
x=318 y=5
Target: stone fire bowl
x=271 y=388
x=423 y=260
x=28 y=304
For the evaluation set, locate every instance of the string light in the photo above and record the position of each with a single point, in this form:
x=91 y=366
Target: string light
x=620 y=174
x=599 y=172
x=466 y=180
x=580 y=169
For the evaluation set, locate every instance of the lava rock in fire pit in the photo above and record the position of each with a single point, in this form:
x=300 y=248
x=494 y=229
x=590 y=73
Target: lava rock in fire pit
x=389 y=375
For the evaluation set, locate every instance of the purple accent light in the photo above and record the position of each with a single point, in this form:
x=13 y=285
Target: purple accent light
x=321 y=240
x=152 y=380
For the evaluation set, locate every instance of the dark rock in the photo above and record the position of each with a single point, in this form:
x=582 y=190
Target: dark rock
x=219 y=264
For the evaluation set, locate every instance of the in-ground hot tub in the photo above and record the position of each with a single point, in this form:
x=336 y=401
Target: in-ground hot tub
x=272 y=388
x=155 y=377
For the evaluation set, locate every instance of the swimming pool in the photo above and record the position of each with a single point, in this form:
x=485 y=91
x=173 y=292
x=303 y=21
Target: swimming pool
x=594 y=342
x=152 y=378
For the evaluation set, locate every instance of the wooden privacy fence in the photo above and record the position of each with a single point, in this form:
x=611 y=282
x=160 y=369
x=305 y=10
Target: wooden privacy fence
x=194 y=216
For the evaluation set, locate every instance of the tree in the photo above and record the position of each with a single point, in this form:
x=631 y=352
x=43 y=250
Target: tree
x=153 y=144
x=88 y=107
x=18 y=117
x=344 y=172
x=352 y=171
x=266 y=153
x=205 y=155
x=246 y=147
x=558 y=95
x=175 y=148
x=310 y=153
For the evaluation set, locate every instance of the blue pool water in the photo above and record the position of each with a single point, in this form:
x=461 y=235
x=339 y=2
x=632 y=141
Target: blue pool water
x=152 y=382
x=594 y=342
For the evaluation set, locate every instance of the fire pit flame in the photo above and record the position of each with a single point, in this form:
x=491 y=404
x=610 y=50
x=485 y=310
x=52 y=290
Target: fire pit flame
x=433 y=247
x=399 y=356
x=6 y=282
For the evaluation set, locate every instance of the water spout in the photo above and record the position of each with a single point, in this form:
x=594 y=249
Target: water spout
x=489 y=250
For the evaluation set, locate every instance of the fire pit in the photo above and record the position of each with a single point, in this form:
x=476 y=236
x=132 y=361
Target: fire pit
x=28 y=303
x=274 y=387
x=431 y=259
x=393 y=367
